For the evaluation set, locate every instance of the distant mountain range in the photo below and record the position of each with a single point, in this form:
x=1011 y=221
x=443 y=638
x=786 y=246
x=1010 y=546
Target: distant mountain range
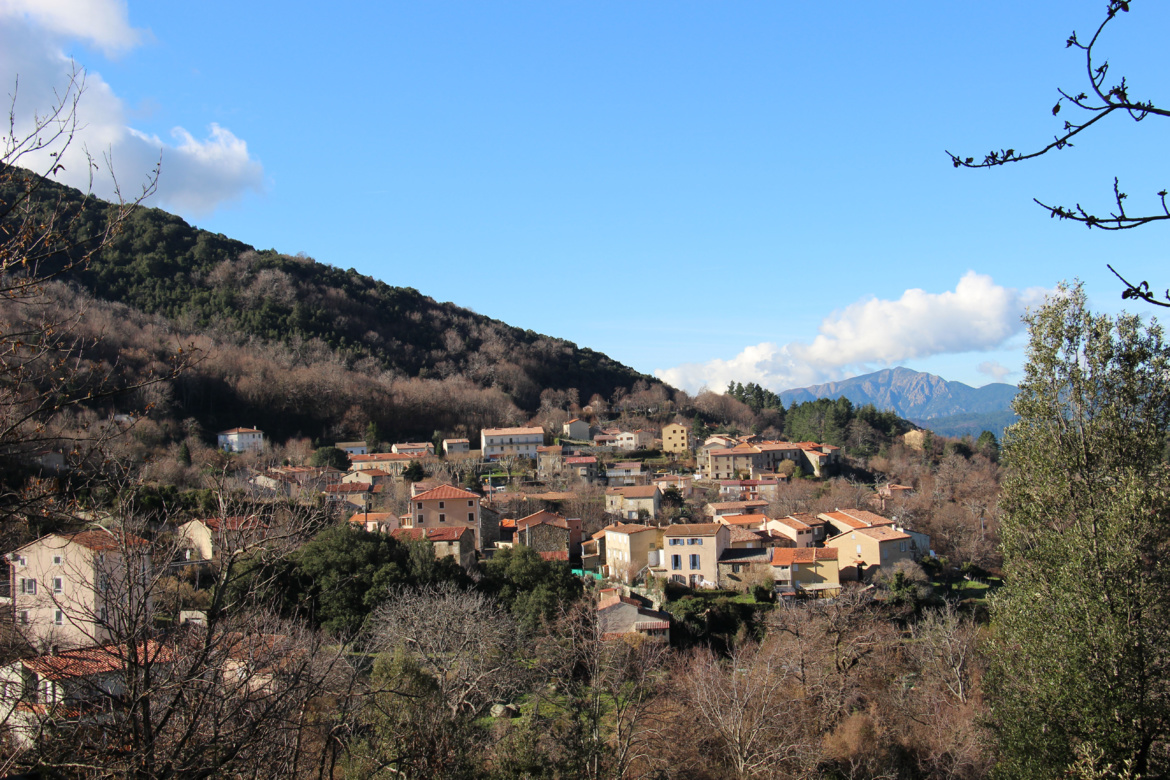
x=947 y=408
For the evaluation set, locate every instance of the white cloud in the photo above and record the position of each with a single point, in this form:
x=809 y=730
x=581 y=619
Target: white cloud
x=103 y=23
x=197 y=175
x=978 y=315
x=994 y=369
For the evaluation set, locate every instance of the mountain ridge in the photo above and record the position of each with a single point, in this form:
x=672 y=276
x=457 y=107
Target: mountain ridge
x=925 y=399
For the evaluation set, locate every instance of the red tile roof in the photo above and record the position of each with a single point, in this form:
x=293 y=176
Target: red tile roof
x=235 y=523
x=512 y=431
x=786 y=556
x=98 y=660
x=545 y=517
x=638 y=491
x=431 y=534
x=446 y=492
x=102 y=540
x=693 y=529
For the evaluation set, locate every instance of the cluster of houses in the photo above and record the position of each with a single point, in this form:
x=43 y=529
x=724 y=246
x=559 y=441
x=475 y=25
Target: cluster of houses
x=61 y=584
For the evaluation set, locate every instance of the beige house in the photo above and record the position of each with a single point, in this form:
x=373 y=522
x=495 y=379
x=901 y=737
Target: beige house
x=806 y=568
x=677 y=437
x=734 y=508
x=446 y=507
x=864 y=551
x=691 y=553
x=683 y=483
x=550 y=461
x=204 y=539
x=417 y=449
x=802 y=534
x=630 y=502
x=391 y=462
x=575 y=429
x=457 y=543
x=582 y=467
x=635 y=440
x=842 y=520
x=456 y=446
x=497 y=442
x=67 y=589
x=375 y=522
x=629 y=548
x=367 y=477
x=627 y=473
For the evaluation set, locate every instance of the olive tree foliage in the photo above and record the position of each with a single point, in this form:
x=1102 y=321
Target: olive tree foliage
x=1079 y=660
x=1105 y=96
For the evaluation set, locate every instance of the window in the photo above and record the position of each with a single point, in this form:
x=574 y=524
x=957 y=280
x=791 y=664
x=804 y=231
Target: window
x=695 y=561
x=442 y=518
x=20 y=559
x=471 y=517
x=419 y=505
x=58 y=560
x=471 y=503
x=675 y=562
x=902 y=546
x=694 y=541
x=28 y=587
x=104 y=615
x=24 y=617
x=673 y=542
x=58 y=584
x=441 y=505
x=58 y=618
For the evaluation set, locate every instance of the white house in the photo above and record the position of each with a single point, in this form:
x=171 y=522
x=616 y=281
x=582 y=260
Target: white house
x=241 y=440
x=511 y=441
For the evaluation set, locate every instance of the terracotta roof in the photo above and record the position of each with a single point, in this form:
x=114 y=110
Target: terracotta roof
x=431 y=534
x=379 y=456
x=623 y=528
x=235 y=523
x=792 y=523
x=693 y=529
x=343 y=444
x=737 y=504
x=580 y=460
x=545 y=517
x=443 y=492
x=745 y=535
x=550 y=448
x=637 y=491
x=786 y=556
x=350 y=487
x=512 y=431
x=882 y=533
x=371 y=517
x=102 y=540
x=856 y=518
x=97 y=660
x=742 y=519
x=456 y=441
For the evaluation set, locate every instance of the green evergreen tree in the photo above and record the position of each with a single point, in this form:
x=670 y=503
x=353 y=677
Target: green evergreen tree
x=1079 y=659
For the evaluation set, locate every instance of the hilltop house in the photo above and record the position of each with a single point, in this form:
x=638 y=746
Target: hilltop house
x=497 y=442
x=241 y=440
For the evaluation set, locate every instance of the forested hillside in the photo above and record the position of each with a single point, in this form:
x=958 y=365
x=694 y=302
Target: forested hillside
x=207 y=282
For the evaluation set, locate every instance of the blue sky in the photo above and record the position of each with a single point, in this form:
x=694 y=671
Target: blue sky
x=707 y=191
